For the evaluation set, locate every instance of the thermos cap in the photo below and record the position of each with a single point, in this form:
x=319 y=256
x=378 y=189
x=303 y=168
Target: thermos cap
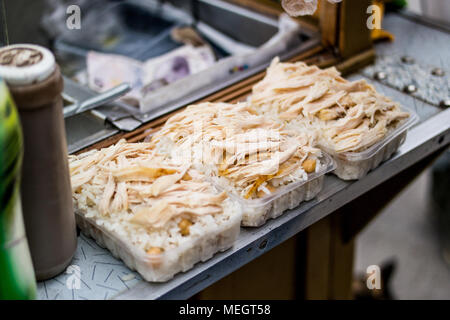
x=22 y=64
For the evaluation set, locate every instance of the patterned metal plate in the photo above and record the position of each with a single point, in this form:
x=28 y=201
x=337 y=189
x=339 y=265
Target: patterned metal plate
x=93 y=274
x=427 y=83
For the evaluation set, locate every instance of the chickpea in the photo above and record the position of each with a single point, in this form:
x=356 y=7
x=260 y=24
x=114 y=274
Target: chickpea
x=309 y=165
x=326 y=115
x=262 y=194
x=184 y=227
x=187 y=177
x=90 y=202
x=155 y=250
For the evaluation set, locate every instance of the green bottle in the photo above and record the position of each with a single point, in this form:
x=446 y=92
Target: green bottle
x=17 y=280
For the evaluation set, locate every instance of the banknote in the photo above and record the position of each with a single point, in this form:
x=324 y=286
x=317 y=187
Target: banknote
x=105 y=71
x=176 y=65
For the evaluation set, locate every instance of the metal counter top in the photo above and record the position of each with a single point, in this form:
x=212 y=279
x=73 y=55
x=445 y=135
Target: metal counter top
x=104 y=277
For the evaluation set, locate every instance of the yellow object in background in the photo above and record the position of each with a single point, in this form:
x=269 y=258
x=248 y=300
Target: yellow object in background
x=380 y=34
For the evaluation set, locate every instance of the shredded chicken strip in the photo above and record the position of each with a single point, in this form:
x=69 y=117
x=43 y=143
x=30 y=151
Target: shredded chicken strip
x=134 y=178
x=235 y=143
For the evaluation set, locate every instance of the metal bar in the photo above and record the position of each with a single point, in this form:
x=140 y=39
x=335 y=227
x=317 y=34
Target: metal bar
x=422 y=140
x=427 y=21
x=97 y=100
x=98 y=136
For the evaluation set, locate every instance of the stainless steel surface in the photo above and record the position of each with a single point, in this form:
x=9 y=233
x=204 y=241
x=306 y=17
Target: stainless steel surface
x=241 y=24
x=118 y=113
x=127 y=124
x=429 y=46
x=101 y=275
x=426 y=82
x=84 y=129
x=76 y=92
x=436 y=9
x=117 y=110
x=97 y=100
x=431 y=134
x=413 y=16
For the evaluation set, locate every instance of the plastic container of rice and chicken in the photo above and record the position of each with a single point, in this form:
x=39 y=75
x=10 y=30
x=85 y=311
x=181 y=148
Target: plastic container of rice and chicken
x=164 y=205
x=265 y=206
x=265 y=166
x=356 y=125
x=159 y=217
x=355 y=165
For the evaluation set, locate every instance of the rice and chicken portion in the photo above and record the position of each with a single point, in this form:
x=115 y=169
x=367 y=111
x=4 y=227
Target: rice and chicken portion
x=348 y=116
x=248 y=154
x=155 y=204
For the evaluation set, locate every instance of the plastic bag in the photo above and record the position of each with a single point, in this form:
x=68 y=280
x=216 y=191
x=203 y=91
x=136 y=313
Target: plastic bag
x=301 y=7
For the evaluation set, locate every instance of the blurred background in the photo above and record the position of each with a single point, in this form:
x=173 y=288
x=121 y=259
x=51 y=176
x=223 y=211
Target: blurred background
x=411 y=237
x=33 y=11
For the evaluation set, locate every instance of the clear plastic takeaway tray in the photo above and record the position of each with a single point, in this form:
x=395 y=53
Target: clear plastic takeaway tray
x=355 y=165
x=255 y=212
x=173 y=261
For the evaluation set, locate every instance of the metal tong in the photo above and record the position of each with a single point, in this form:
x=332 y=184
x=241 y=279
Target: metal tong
x=96 y=101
